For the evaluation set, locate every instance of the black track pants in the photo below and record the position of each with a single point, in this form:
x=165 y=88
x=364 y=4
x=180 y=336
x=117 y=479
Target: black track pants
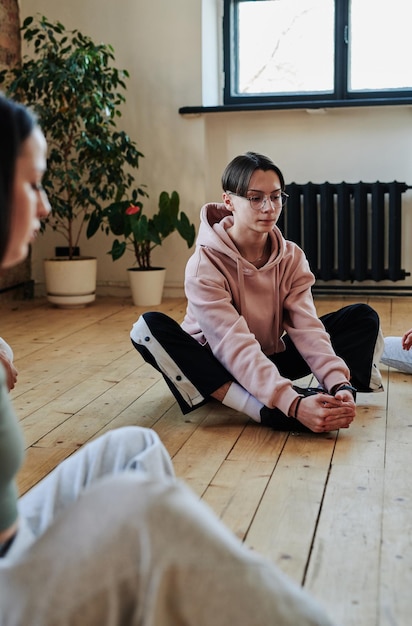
x=193 y=373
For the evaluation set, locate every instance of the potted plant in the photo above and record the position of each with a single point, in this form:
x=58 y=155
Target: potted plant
x=76 y=92
x=140 y=235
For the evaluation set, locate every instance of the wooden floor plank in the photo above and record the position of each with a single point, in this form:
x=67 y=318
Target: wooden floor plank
x=396 y=552
x=38 y=463
x=238 y=487
x=285 y=520
x=346 y=552
x=364 y=442
x=147 y=408
x=201 y=456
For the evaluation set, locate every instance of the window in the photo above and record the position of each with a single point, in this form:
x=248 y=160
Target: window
x=317 y=53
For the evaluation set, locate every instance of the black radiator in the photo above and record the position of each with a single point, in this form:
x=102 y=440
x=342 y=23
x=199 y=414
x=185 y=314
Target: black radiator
x=349 y=231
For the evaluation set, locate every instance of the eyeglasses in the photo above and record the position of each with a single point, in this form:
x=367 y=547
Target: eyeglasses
x=258 y=200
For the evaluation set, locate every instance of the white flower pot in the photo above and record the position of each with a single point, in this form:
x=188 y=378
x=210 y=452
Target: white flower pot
x=147 y=285
x=71 y=283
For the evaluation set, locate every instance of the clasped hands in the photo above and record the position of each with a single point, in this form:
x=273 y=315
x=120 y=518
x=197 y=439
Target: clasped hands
x=323 y=412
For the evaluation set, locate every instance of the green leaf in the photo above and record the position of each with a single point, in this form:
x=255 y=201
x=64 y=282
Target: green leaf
x=186 y=230
x=118 y=249
x=27 y=22
x=93 y=225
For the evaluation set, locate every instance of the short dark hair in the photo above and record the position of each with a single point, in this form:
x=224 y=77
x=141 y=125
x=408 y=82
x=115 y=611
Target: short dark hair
x=16 y=124
x=238 y=172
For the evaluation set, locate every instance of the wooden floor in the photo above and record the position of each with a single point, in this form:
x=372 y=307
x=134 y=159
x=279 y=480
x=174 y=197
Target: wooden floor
x=333 y=511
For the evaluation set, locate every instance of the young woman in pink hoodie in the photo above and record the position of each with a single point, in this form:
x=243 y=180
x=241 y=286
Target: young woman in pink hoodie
x=251 y=326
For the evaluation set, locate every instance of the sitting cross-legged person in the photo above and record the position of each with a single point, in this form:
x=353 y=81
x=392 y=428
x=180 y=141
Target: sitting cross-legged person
x=251 y=327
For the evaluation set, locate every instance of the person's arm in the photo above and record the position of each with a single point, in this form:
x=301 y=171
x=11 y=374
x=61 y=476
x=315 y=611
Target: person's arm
x=11 y=458
x=407 y=340
x=6 y=358
x=305 y=329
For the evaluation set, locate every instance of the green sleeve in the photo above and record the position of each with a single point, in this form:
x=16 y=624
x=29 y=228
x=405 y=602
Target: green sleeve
x=11 y=456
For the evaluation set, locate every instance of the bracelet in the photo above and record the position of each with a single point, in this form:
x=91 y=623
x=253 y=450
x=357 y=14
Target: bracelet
x=348 y=388
x=295 y=413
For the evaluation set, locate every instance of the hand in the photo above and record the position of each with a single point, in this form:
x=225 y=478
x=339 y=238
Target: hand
x=324 y=413
x=6 y=358
x=407 y=340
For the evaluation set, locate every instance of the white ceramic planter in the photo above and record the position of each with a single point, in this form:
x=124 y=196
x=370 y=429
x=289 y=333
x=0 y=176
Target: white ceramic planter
x=147 y=285
x=71 y=283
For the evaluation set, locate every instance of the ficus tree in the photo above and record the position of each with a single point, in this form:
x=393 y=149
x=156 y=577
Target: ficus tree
x=77 y=93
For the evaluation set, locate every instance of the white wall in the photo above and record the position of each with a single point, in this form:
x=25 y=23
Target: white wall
x=160 y=43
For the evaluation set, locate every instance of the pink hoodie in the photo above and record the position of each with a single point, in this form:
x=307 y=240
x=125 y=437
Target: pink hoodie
x=242 y=311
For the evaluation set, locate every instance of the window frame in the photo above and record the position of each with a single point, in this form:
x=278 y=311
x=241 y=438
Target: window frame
x=341 y=96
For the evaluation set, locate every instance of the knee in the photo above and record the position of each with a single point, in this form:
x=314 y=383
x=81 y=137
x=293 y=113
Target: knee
x=157 y=319
x=365 y=313
x=146 y=321
x=154 y=317
x=137 y=498
x=161 y=326
x=372 y=317
x=134 y=439
x=151 y=322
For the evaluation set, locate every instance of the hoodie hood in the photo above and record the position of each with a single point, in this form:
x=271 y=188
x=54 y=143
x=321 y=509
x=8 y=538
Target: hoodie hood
x=215 y=220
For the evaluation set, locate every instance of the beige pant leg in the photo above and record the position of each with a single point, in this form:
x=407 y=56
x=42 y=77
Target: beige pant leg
x=133 y=551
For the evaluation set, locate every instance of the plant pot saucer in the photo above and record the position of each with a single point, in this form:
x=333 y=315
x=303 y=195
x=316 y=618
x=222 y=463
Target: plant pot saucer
x=145 y=269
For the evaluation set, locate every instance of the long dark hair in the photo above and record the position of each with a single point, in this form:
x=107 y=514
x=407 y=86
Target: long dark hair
x=16 y=124
x=238 y=172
